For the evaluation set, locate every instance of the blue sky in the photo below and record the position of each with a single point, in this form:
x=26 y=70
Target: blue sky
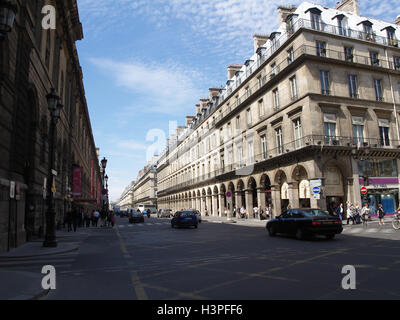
x=148 y=62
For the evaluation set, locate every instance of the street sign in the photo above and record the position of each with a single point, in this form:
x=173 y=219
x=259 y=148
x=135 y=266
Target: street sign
x=229 y=194
x=315 y=183
x=364 y=190
x=12 y=189
x=316 y=190
x=317 y=196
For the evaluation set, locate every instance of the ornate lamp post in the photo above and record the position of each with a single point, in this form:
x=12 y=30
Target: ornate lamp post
x=55 y=107
x=7 y=17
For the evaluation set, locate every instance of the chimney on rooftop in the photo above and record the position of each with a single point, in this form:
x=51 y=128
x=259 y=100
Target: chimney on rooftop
x=189 y=120
x=213 y=92
x=284 y=11
x=198 y=110
x=259 y=41
x=349 y=6
x=232 y=69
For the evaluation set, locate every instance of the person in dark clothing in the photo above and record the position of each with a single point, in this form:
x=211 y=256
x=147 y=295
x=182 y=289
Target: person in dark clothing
x=69 y=220
x=75 y=218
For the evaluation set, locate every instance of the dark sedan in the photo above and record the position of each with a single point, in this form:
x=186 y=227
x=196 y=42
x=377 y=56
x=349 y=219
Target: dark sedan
x=305 y=222
x=184 y=219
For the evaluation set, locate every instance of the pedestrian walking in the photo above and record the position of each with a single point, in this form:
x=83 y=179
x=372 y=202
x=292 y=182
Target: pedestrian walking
x=69 y=220
x=242 y=212
x=339 y=211
x=365 y=214
x=381 y=215
x=268 y=211
x=87 y=219
x=255 y=213
x=350 y=213
x=75 y=217
x=357 y=214
x=96 y=218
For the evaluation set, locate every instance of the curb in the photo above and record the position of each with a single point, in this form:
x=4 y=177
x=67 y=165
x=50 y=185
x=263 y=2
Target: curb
x=40 y=255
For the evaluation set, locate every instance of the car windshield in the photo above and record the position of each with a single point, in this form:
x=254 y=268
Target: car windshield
x=315 y=213
x=187 y=213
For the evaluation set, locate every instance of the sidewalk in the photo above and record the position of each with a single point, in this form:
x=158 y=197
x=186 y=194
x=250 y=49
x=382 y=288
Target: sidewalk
x=21 y=285
x=234 y=220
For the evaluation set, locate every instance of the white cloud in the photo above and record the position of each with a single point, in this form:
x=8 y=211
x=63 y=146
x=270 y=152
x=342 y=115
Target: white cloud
x=165 y=89
x=228 y=24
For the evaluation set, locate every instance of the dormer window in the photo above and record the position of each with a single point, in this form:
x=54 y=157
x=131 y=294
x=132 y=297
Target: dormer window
x=391 y=36
x=315 y=17
x=369 y=34
x=342 y=24
x=274 y=37
x=290 y=21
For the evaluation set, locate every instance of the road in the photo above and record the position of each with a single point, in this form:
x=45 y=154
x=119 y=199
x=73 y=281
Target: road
x=221 y=261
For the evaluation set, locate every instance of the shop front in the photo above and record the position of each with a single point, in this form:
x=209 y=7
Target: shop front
x=382 y=190
x=383 y=184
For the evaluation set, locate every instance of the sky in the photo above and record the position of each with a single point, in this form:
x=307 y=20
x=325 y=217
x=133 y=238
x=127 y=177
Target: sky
x=147 y=63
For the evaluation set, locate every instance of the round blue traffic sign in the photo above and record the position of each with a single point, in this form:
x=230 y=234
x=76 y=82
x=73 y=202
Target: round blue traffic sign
x=316 y=190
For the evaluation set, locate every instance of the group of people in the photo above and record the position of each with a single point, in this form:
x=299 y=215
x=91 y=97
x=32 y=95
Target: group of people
x=78 y=217
x=258 y=213
x=358 y=215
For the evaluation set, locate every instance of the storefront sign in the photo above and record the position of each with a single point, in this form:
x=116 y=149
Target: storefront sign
x=77 y=182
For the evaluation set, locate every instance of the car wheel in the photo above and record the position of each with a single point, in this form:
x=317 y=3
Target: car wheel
x=300 y=234
x=272 y=231
x=330 y=236
x=195 y=226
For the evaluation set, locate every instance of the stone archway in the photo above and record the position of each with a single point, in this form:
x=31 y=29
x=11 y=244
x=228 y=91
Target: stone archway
x=251 y=196
x=233 y=210
x=300 y=194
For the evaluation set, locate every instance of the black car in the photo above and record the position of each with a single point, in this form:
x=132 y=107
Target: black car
x=184 y=219
x=136 y=217
x=305 y=222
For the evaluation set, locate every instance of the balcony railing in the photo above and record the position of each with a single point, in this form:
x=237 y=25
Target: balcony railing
x=322 y=141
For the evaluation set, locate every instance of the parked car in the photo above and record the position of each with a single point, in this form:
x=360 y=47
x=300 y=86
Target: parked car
x=185 y=219
x=305 y=222
x=136 y=217
x=164 y=213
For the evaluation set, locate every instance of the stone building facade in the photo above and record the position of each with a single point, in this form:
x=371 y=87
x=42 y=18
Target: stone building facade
x=32 y=61
x=316 y=105
x=145 y=188
x=125 y=201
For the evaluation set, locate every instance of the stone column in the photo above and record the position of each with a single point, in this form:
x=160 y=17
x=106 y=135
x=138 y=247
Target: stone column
x=293 y=193
x=221 y=204
x=209 y=205
x=355 y=192
x=215 y=205
x=261 y=198
x=238 y=196
x=198 y=204
x=276 y=201
x=249 y=203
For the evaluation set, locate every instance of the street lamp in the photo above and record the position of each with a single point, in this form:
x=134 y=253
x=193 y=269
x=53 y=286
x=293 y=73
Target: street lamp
x=7 y=17
x=54 y=106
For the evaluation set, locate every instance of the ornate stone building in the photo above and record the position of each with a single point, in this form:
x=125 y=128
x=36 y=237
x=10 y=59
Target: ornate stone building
x=32 y=61
x=145 y=189
x=316 y=105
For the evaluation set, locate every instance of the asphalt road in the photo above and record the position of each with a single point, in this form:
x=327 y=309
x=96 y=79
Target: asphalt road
x=222 y=261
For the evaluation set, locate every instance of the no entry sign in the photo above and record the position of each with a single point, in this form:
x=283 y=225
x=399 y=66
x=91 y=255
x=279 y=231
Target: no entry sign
x=364 y=190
